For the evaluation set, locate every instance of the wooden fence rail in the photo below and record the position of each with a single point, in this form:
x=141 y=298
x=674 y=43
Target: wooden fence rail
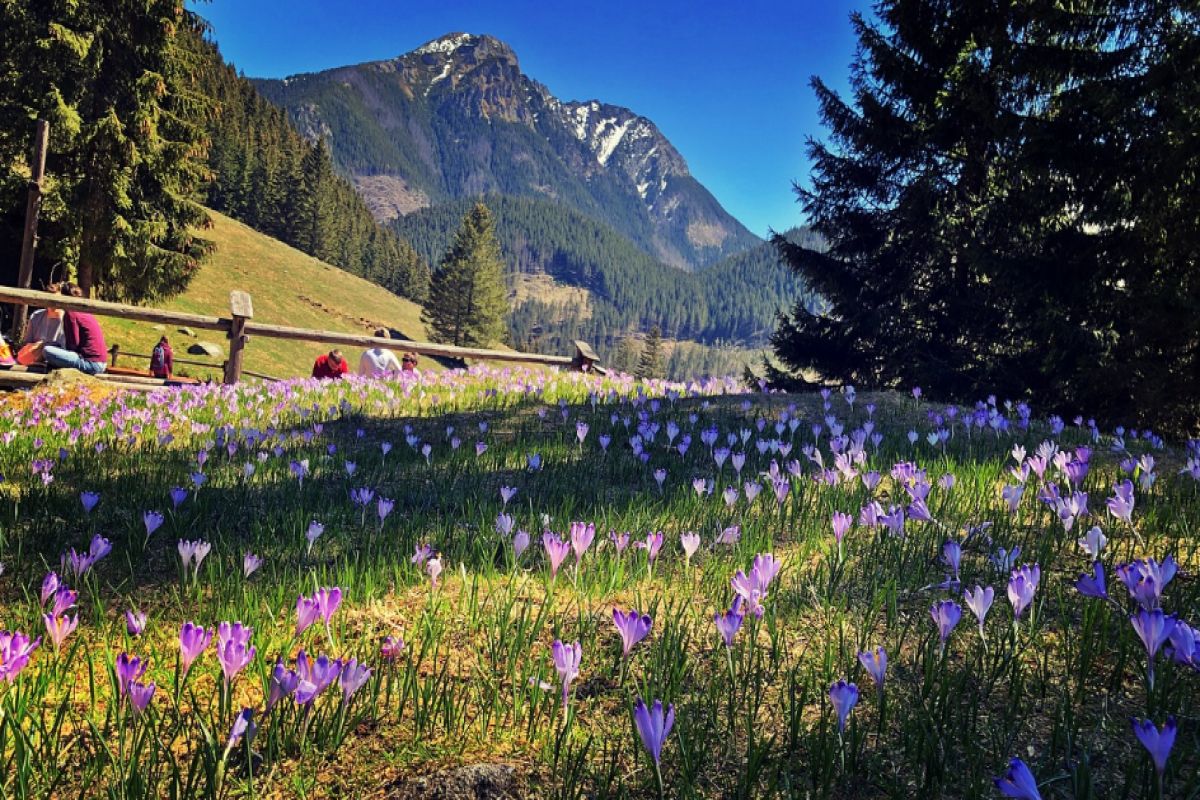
x=239 y=327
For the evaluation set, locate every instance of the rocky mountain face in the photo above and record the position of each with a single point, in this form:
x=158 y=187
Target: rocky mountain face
x=457 y=118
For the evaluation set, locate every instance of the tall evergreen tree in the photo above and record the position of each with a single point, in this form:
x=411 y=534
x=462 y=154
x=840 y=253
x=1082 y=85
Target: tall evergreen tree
x=976 y=202
x=127 y=148
x=467 y=302
x=650 y=362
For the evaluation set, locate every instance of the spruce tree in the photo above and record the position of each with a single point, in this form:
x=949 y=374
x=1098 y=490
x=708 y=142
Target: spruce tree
x=127 y=146
x=650 y=363
x=984 y=200
x=467 y=302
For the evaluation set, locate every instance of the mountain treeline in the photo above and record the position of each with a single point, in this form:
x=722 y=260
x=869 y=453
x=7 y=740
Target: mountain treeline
x=147 y=124
x=269 y=177
x=735 y=300
x=1010 y=200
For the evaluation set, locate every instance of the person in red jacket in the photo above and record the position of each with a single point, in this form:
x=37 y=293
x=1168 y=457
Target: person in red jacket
x=330 y=365
x=83 y=347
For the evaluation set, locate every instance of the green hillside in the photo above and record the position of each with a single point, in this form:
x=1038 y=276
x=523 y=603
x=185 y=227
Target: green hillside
x=288 y=288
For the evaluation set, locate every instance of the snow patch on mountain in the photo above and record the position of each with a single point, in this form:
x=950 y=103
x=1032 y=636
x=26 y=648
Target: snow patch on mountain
x=446 y=44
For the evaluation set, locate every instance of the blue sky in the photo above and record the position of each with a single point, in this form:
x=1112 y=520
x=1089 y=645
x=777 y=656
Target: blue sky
x=726 y=82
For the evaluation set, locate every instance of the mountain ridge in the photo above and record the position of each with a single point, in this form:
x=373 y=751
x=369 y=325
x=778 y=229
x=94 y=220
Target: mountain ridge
x=456 y=117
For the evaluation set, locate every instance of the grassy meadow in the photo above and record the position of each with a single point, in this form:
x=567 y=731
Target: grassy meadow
x=376 y=589
x=287 y=287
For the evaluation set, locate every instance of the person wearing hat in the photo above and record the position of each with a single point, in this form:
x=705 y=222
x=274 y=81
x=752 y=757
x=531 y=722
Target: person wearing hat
x=330 y=365
x=377 y=361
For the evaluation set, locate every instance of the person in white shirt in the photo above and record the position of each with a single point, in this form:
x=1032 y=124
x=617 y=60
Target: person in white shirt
x=45 y=326
x=378 y=361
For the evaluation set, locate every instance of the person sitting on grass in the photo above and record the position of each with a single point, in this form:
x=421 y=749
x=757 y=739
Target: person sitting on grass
x=330 y=365
x=83 y=341
x=408 y=365
x=45 y=325
x=378 y=361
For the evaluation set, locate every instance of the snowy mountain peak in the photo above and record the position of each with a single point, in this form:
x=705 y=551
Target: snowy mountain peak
x=446 y=44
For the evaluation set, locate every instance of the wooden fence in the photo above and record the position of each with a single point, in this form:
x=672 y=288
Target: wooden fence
x=240 y=326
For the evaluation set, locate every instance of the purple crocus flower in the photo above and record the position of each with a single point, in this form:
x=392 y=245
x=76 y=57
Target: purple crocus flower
x=128 y=669
x=520 y=542
x=383 y=507
x=730 y=536
x=952 y=556
x=193 y=640
x=1120 y=505
x=99 y=548
x=980 y=602
x=153 y=521
x=50 y=585
x=507 y=493
x=1093 y=585
x=233 y=648
x=327 y=602
x=1022 y=586
x=844 y=697
x=282 y=683
x=178 y=495
x=841 y=524
x=192 y=553
x=1146 y=579
x=433 y=568
x=946 y=614
x=632 y=626
x=250 y=564
x=243 y=725
x=314 y=531
x=391 y=647
x=1018 y=782
x=352 y=677
x=1158 y=742
x=77 y=563
x=1184 y=641
x=753 y=587
x=307 y=613
x=875 y=663
x=89 y=501
x=690 y=542
x=15 y=650
x=652 y=544
x=567 y=660
x=1093 y=542
x=1153 y=628
x=730 y=621
x=556 y=551
x=135 y=622
x=421 y=554
x=653 y=726
x=58 y=628
x=140 y=695
x=581 y=535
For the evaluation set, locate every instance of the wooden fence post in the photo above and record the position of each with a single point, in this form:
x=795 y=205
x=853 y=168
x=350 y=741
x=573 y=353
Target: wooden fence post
x=33 y=205
x=240 y=309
